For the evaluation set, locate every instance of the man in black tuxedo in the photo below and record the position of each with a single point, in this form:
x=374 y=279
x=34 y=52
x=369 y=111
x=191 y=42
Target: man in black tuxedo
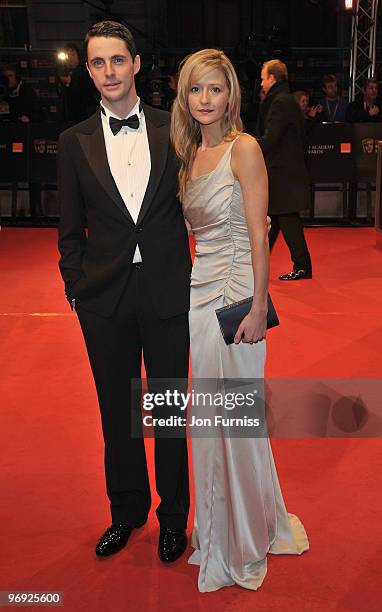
x=128 y=279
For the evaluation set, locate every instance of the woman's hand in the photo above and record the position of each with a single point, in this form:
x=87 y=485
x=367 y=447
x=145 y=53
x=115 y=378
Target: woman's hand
x=314 y=110
x=253 y=327
x=374 y=110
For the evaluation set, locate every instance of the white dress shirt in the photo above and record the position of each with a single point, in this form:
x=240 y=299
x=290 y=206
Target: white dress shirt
x=128 y=154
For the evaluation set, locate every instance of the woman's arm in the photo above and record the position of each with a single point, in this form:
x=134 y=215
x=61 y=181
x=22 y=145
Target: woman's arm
x=248 y=166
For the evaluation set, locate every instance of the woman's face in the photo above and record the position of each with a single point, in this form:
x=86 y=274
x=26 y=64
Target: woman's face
x=208 y=97
x=303 y=102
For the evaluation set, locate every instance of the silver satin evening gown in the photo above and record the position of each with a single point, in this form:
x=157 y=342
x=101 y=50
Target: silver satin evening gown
x=240 y=514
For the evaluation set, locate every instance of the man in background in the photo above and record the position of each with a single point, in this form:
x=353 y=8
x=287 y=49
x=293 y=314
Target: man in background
x=333 y=107
x=365 y=108
x=23 y=106
x=21 y=97
x=281 y=135
x=81 y=97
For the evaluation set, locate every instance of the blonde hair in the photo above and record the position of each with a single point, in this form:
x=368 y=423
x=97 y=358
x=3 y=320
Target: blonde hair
x=277 y=68
x=185 y=130
x=300 y=94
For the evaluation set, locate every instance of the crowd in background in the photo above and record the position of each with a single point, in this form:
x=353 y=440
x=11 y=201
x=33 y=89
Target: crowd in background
x=334 y=107
x=78 y=98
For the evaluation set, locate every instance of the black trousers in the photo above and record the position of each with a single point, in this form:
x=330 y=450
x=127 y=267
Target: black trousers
x=292 y=229
x=115 y=347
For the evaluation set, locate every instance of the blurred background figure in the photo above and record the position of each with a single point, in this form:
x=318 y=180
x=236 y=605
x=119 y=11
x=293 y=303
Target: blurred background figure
x=309 y=113
x=365 y=107
x=20 y=97
x=80 y=97
x=23 y=106
x=302 y=99
x=280 y=132
x=333 y=106
x=172 y=88
x=160 y=88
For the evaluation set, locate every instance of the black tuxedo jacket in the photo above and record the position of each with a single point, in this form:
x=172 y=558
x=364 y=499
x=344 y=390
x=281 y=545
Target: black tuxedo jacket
x=95 y=264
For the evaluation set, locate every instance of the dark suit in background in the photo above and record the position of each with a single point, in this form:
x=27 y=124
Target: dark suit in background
x=124 y=307
x=280 y=132
x=23 y=101
x=358 y=112
x=81 y=95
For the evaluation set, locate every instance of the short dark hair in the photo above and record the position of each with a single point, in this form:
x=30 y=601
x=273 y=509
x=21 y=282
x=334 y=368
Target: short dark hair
x=371 y=80
x=73 y=46
x=300 y=93
x=12 y=68
x=329 y=78
x=111 y=29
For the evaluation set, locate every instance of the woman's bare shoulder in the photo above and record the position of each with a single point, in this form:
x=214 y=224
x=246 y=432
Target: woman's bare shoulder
x=245 y=145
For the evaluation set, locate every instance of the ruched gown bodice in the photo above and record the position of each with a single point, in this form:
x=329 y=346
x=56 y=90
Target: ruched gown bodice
x=240 y=514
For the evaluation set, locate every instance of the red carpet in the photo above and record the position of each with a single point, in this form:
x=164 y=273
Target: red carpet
x=53 y=503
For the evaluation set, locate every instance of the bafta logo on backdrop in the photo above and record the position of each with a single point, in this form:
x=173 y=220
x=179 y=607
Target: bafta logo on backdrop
x=369 y=145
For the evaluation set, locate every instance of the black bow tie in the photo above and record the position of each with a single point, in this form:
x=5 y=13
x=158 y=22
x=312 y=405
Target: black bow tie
x=117 y=124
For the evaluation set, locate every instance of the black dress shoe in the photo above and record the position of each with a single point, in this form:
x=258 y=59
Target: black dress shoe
x=296 y=275
x=172 y=544
x=114 y=539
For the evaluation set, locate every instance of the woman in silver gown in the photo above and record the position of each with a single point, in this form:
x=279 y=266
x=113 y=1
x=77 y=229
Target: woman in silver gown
x=240 y=514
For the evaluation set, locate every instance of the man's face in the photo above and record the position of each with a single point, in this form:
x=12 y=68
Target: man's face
x=331 y=89
x=267 y=80
x=112 y=69
x=371 y=91
x=73 y=59
x=10 y=75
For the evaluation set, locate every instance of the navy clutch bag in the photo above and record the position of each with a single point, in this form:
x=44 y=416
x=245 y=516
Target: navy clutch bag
x=231 y=316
